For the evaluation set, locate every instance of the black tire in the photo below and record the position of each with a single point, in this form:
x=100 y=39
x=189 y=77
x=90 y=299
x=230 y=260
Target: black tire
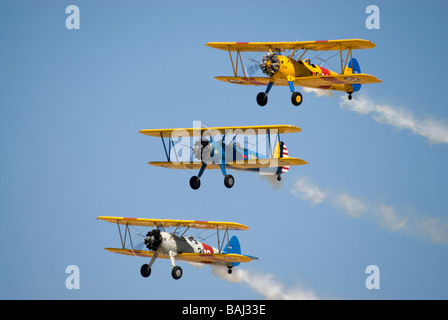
x=229 y=271
x=195 y=182
x=279 y=178
x=262 y=99
x=350 y=96
x=176 y=272
x=145 y=270
x=229 y=181
x=296 y=98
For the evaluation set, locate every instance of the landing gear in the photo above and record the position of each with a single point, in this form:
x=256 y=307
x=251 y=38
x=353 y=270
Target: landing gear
x=145 y=270
x=349 y=95
x=195 y=182
x=229 y=181
x=262 y=99
x=176 y=272
x=296 y=98
x=229 y=271
x=279 y=178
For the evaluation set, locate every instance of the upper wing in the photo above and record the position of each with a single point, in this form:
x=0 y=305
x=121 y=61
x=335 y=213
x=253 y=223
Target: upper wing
x=197 y=132
x=190 y=257
x=175 y=223
x=322 y=81
x=323 y=45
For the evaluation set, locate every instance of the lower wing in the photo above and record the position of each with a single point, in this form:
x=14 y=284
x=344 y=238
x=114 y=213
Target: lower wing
x=267 y=163
x=189 y=257
x=253 y=81
x=239 y=164
x=322 y=82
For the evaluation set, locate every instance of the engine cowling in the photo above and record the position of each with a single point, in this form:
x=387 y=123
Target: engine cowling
x=153 y=240
x=202 y=150
x=270 y=64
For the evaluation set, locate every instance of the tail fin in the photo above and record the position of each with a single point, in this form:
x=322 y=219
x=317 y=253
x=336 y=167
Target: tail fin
x=281 y=151
x=233 y=247
x=352 y=68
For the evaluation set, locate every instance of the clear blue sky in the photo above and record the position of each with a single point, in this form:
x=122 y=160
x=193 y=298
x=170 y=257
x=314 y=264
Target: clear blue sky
x=72 y=103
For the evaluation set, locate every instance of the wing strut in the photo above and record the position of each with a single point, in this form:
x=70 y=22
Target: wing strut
x=238 y=57
x=167 y=153
x=126 y=232
x=226 y=233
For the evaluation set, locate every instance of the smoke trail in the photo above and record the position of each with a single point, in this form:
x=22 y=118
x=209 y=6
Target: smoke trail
x=436 y=131
x=318 y=92
x=412 y=224
x=305 y=190
x=264 y=284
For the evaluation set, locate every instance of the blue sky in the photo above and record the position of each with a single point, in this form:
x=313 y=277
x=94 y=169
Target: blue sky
x=72 y=103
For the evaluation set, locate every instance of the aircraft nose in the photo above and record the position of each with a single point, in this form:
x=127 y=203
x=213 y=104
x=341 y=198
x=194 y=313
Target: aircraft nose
x=149 y=240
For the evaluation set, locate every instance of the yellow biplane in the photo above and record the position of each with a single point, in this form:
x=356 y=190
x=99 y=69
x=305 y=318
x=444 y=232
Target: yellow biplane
x=284 y=70
x=175 y=245
x=219 y=148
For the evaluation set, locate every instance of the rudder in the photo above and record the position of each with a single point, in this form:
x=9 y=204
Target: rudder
x=233 y=247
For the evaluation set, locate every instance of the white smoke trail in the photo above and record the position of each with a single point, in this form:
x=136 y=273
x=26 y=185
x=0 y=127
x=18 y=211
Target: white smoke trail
x=436 y=131
x=352 y=206
x=305 y=190
x=318 y=92
x=431 y=229
x=264 y=284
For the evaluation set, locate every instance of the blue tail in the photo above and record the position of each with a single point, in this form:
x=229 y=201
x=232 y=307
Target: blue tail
x=233 y=247
x=355 y=69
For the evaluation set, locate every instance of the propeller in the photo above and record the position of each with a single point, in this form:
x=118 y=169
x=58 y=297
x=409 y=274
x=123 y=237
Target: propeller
x=139 y=245
x=202 y=150
x=270 y=64
x=153 y=240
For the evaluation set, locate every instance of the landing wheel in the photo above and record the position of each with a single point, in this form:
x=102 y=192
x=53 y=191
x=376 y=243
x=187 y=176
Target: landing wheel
x=279 y=178
x=176 y=272
x=262 y=99
x=229 y=271
x=296 y=98
x=145 y=270
x=195 y=182
x=229 y=181
x=349 y=96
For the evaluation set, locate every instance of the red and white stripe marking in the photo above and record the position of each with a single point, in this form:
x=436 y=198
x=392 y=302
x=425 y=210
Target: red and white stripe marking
x=285 y=155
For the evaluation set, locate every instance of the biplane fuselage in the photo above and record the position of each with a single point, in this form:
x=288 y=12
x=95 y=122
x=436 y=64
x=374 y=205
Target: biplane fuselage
x=225 y=153
x=282 y=70
x=183 y=245
x=291 y=69
x=165 y=245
